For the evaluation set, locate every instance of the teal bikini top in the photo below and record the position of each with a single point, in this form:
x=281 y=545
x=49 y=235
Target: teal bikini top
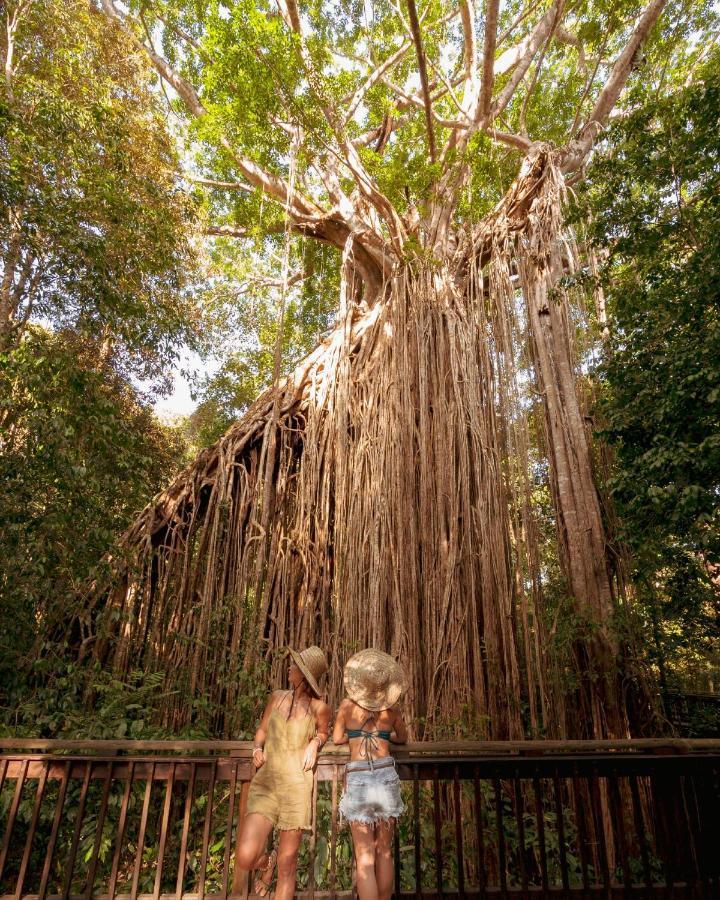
x=358 y=732
x=369 y=738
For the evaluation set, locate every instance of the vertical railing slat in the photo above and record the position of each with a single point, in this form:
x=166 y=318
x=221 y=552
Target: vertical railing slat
x=458 y=832
x=520 y=816
x=581 y=830
x=480 y=834
x=42 y=781
x=57 y=818
x=334 y=832
x=182 y=859
x=416 y=829
x=560 y=821
x=78 y=828
x=92 y=868
x=540 y=817
x=228 y=830
x=599 y=825
x=120 y=836
x=167 y=806
x=616 y=807
x=241 y=878
x=206 y=829
x=438 y=831
x=502 y=855
x=396 y=856
x=640 y=829
x=141 y=832
x=12 y=815
x=313 y=836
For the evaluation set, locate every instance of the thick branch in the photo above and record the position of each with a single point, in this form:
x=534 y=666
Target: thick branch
x=623 y=65
x=348 y=152
x=566 y=37
x=469 y=43
x=488 y=73
x=579 y=149
x=512 y=140
x=417 y=40
x=540 y=34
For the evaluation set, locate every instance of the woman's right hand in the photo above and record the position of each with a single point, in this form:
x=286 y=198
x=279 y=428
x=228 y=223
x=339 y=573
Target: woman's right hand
x=258 y=757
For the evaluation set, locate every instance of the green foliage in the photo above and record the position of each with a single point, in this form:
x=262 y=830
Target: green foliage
x=94 y=227
x=242 y=306
x=654 y=197
x=80 y=456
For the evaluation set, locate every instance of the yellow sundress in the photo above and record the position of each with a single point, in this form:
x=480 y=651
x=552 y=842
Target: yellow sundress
x=280 y=790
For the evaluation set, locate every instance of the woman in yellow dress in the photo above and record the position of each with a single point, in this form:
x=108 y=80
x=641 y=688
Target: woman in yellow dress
x=293 y=729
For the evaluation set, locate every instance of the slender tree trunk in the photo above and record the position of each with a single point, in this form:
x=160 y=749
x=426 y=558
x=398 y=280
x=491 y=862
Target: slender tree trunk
x=581 y=532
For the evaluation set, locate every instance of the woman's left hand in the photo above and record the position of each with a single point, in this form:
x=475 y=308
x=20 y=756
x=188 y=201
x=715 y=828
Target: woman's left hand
x=310 y=758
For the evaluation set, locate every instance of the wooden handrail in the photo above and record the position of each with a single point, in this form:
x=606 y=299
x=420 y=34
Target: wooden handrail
x=410 y=750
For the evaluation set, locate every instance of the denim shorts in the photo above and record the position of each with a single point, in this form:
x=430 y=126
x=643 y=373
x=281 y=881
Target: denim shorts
x=371 y=796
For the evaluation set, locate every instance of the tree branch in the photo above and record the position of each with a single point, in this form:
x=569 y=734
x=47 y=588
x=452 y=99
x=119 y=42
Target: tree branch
x=467 y=17
x=417 y=40
x=373 y=78
x=578 y=149
x=348 y=152
x=488 y=74
x=512 y=140
x=223 y=185
x=566 y=37
x=539 y=35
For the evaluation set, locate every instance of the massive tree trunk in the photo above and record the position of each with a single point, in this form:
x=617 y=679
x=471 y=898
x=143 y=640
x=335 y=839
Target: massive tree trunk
x=380 y=495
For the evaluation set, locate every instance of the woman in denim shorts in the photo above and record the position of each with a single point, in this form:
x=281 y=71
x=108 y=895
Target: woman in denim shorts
x=369 y=721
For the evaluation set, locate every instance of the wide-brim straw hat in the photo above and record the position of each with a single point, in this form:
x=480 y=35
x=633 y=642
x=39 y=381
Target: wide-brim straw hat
x=312 y=663
x=374 y=680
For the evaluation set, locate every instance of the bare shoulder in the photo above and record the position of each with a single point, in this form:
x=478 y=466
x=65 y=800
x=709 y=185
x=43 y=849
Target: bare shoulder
x=319 y=707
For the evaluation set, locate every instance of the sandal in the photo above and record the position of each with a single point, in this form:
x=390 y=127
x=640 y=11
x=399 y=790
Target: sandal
x=261 y=885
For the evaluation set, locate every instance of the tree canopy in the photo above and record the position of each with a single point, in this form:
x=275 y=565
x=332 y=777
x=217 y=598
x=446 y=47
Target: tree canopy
x=94 y=228
x=393 y=111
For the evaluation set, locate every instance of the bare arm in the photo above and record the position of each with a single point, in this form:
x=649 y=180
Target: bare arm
x=322 y=723
x=322 y=727
x=339 y=735
x=261 y=733
x=400 y=731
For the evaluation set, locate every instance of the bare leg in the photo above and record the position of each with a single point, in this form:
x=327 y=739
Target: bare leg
x=364 y=844
x=252 y=845
x=287 y=855
x=384 y=864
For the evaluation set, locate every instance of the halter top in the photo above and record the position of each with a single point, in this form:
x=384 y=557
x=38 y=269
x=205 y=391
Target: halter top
x=369 y=738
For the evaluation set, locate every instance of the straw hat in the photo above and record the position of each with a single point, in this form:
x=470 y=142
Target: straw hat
x=374 y=680
x=312 y=664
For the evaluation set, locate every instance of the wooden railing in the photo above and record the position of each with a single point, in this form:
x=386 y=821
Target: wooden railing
x=92 y=819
